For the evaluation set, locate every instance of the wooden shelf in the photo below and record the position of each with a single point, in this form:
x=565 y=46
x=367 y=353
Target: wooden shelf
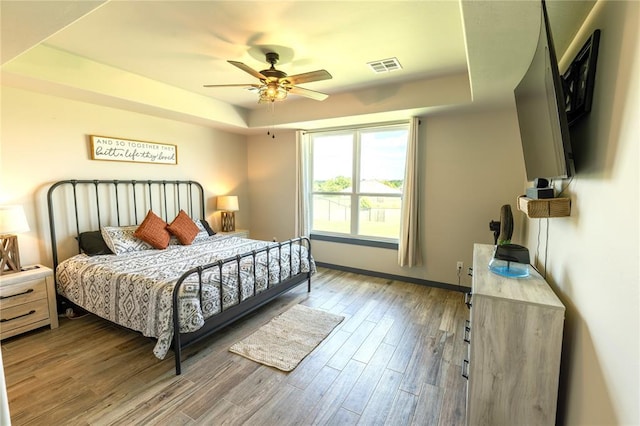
x=549 y=207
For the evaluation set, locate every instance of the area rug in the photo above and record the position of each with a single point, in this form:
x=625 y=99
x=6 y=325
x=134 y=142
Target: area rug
x=288 y=338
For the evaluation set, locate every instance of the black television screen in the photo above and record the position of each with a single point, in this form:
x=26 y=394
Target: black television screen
x=540 y=105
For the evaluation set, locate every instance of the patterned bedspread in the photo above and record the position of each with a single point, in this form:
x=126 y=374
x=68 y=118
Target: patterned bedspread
x=135 y=289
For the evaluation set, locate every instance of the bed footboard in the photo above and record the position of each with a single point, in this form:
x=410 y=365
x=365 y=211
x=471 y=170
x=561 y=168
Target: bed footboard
x=294 y=277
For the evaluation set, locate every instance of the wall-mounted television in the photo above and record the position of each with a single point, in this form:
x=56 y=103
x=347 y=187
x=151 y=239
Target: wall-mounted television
x=540 y=105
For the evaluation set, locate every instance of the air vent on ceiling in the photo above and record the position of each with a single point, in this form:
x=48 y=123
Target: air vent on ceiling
x=385 y=65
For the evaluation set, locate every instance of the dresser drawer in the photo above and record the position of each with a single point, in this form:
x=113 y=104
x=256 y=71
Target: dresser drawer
x=18 y=294
x=23 y=316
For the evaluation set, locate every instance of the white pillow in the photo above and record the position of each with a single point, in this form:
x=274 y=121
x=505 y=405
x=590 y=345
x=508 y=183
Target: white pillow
x=203 y=235
x=120 y=239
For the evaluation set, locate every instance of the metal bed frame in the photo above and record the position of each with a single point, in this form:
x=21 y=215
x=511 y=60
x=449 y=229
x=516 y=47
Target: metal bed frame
x=127 y=202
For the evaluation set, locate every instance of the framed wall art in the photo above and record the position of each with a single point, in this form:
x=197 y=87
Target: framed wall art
x=113 y=149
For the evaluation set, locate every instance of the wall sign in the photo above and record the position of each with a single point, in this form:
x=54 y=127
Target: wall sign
x=112 y=149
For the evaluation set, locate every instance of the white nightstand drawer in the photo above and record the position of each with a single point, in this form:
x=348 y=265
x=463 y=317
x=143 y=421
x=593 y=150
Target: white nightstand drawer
x=18 y=294
x=24 y=316
x=27 y=301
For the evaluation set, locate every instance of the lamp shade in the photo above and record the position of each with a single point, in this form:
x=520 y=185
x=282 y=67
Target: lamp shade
x=13 y=220
x=228 y=203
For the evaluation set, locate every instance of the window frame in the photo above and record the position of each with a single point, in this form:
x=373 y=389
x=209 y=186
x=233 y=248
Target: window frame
x=353 y=237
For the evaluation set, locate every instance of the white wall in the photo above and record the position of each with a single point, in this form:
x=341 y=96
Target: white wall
x=594 y=255
x=45 y=139
x=272 y=185
x=472 y=165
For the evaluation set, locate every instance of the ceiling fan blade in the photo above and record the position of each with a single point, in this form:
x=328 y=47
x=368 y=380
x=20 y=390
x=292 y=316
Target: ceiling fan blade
x=308 y=77
x=248 y=69
x=232 y=85
x=318 y=96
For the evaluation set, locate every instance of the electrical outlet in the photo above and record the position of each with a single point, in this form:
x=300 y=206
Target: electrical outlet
x=459 y=265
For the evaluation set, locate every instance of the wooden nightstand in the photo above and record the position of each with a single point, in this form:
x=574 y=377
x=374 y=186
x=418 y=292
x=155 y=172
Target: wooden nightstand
x=27 y=301
x=240 y=233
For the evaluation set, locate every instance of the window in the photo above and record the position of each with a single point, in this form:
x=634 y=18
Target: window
x=358 y=178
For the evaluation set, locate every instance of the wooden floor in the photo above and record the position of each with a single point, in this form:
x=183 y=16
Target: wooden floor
x=395 y=359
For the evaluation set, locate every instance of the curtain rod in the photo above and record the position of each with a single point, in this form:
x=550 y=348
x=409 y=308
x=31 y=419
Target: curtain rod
x=362 y=126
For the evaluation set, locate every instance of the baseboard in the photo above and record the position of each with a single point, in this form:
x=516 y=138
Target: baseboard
x=428 y=283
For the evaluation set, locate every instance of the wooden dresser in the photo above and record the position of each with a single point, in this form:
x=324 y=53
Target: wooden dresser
x=27 y=301
x=515 y=336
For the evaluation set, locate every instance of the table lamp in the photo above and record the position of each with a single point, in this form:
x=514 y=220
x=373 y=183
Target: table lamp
x=12 y=221
x=229 y=205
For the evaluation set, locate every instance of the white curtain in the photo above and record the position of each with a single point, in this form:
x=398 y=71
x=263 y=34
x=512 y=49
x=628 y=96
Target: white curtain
x=302 y=183
x=409 y=245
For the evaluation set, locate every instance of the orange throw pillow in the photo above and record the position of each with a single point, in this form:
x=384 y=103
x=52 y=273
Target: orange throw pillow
x=153 y=230
x=183 y=228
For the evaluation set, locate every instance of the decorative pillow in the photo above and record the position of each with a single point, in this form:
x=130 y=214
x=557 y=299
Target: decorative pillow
x=92 y=243
x=120 y=239
x=203 y=234
x=183 y=228
x=153 y=230
x=207 y=227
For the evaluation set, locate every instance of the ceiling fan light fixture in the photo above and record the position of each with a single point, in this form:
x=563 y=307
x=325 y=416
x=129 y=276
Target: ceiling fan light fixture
x=272 y=92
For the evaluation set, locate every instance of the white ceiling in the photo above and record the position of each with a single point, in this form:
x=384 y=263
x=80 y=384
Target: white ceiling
x=94 y=50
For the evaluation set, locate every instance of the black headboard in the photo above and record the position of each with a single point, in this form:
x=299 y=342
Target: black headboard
x=77 y=206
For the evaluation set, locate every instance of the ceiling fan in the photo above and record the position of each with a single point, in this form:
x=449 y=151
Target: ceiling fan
x=275 y=84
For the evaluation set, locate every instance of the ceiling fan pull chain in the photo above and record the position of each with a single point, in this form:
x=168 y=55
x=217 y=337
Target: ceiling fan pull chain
x=273 y=125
